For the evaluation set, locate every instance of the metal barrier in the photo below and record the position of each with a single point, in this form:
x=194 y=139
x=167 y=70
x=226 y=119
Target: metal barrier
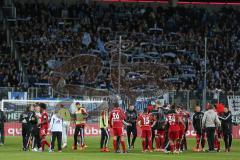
x=187 y=98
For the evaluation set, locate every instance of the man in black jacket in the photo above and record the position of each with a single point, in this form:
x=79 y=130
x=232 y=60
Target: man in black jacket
x=33 y=123
x=226 y=120
x=160 y=123
x=197 y=125
x=2 y=120
x=26 y=127
x=131 y=117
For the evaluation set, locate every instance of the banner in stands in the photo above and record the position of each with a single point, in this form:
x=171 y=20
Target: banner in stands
x=234 y=106
x=17 y=95
x=14 y=129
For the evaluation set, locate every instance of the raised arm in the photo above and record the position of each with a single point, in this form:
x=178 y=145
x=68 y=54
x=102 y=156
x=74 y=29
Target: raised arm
x=217 y=121
x=226 y=118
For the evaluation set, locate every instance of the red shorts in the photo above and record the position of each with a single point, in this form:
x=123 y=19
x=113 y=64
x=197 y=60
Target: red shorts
x=117 y=131
x=173 y=134
x=146 y=133
x=43 y=132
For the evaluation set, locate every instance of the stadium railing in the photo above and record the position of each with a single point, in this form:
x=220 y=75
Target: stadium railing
x=187 y=98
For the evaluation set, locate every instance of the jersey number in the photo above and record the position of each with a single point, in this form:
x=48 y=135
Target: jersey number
x=171 y=119
x=146 y=120
x=115 y=116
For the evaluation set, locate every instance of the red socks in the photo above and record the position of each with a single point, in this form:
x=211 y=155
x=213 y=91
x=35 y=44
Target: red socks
x=218 y=145
x=171 y=147
x=203 y=143
x=150 y=144
x=157 y=139
x=115 y=145
x=178 y=145
x=198 y=141
x=161 y=142
x=143 y=145
x=123 y=146
x=44 y=142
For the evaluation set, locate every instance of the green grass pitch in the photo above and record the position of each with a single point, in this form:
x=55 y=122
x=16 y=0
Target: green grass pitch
x=11 y=151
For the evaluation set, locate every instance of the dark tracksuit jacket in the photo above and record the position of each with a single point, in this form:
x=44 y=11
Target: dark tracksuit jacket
x=197 y=122
x=226 y=120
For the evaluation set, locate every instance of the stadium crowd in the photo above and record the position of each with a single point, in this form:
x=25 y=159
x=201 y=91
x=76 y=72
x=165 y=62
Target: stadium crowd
x=9 y=73
x=48 y=35
x=57 y=33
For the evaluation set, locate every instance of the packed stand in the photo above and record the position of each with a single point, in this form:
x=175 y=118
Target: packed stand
x=9 y=73
x=173 y=37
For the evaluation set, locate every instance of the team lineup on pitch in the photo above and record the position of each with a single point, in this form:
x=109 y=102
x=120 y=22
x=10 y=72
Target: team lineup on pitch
x=163 y=128
x=116 y=144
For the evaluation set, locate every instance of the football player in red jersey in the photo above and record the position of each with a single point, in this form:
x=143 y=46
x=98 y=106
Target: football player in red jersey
x=173 y=131
x=117 y=119
x=181 y=116
x=43 y=125
x=144 y=121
